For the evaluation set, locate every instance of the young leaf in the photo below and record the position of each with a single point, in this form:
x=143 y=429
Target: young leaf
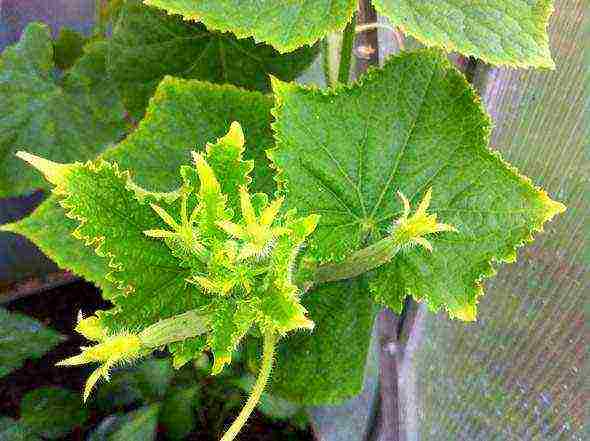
x=286 y=25
x=22 y=338
x=512 y=33
x=72 y=118
x=148 y=44
x=52 y=412
x=414 y=125
x=157 y=242
x=183 y=115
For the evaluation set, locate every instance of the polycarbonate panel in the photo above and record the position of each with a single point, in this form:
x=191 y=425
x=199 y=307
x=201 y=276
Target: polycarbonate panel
x=517 y=373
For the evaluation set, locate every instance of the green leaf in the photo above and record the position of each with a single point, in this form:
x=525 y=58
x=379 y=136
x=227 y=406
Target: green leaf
x=63 y=119
x=121 y=391
x=139 y=425
x=178 y=411
x=154 y=377
x=148 y=44
x=414 y=125
x=149 y=381
x=11 y=430
x=68 y=48
x=182 y=116
x=52 y=412
x=180 y=251
x=327 y=365
x=506 y=32
x=113 y=213
x=21 y=338
x=286 y=25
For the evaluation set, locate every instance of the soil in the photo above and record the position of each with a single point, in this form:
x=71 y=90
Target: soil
x=58 y=309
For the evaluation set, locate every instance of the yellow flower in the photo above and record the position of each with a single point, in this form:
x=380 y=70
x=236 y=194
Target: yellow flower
x=184 y=233
x=259 y=234
x=111 y=351
x=410 y=230
x=90 y=328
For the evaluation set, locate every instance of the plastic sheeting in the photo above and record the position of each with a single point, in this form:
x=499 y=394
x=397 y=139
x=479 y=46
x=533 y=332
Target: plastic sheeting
x=517 y=373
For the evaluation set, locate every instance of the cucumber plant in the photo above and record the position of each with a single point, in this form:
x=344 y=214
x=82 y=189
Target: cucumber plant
x=230 y=214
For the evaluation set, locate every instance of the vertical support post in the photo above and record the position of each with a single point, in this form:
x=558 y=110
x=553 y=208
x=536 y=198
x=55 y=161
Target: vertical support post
x=367 y=49
x=387 y=424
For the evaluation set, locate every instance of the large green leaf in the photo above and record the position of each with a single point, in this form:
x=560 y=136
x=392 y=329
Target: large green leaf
x=413 y=125
x=504 y=32
x=22 y=337
x=286 y=25
x=327 y=365
x=148 y=44
x=52 y=412
x=183 y=116
x=507 y=32
x=64 y=119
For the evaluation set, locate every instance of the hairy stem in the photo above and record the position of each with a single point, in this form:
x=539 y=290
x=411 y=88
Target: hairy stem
x=337 y=53
x=362 y=261
x=346 y=51
x=176 y=328
x=270 y=340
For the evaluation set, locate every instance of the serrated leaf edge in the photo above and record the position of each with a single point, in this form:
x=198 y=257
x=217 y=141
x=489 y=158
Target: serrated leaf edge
x=554 y=208
x=244 y=32
x=96 y=243
x=279 y=86
x=548 y=63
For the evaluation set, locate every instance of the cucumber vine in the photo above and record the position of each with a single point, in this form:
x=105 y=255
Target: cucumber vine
x=242 y=261
x=384 y=188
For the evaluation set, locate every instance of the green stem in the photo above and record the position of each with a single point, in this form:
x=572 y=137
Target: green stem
x=176 y=328
x=337 y=54
x=270 y=339
x=331 y=49
x=360 y=262
x=346 y=51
